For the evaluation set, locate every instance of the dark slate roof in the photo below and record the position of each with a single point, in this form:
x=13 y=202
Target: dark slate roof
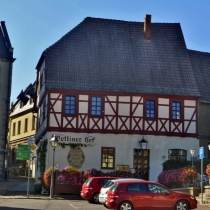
x=201 y=67
x=6 y=50
x=113 y=55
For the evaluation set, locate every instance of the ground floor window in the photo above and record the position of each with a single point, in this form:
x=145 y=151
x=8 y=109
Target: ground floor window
x=177 y=154
x=13 y=159
x=107 y=157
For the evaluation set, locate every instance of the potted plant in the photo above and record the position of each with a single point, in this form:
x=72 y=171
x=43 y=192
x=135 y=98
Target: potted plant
x=38 y=187
x=208 y=171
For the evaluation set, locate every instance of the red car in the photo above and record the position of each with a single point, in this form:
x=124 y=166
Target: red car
x=92 y=186
x=147 y=195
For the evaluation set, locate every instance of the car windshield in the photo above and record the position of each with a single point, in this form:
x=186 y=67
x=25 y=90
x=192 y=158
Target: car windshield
x=108 y=184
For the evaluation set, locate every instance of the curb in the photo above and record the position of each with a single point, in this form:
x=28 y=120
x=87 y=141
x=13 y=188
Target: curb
x=23 y=195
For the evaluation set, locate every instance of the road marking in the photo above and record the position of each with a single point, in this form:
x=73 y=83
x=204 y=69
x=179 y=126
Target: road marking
x=73 y=206
x=83 y=207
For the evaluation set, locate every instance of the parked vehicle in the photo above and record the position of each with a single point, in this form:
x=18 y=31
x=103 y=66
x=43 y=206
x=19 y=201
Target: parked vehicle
x=146 y=195
x=106 y=187
x=92 y=186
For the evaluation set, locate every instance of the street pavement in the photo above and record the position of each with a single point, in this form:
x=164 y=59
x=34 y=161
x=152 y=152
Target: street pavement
x=14 y=196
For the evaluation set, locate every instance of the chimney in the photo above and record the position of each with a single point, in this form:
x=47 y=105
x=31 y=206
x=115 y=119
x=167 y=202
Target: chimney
x=147 y=27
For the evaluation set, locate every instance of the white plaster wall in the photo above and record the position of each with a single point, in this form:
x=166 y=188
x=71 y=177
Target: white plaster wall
x=124 y=145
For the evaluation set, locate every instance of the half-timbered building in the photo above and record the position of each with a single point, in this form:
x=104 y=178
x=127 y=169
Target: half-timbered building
x=109 y=84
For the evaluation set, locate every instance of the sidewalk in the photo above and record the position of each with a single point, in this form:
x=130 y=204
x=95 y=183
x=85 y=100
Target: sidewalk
x=16 y=187
x=15 y=184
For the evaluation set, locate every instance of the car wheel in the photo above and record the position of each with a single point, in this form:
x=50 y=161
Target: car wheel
x=182 y=205
x=95 y=198
x=125 y=205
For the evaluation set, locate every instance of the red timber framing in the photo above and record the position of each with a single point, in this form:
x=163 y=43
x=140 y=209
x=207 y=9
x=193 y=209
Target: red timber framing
x=123 y=113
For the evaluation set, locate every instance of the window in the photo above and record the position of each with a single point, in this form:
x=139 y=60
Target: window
x=43 y=112
x=136 y=187
x=107 y=157
x=13 y=154
x=150 y=108
x=176 y=110
x=42 y=78
x=19 y=127
x=21 y=104
x=96 y=106
x=157 y=189
x=33 y=122
x=70 y=105
x=26 y=125
x=31 y=100
x=14 y=129
x=177 y=154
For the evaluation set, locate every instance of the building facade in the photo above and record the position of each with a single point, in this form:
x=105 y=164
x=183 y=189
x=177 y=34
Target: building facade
x=201 y=67
x=107 y=85
x=22 y=127
x=6 y=62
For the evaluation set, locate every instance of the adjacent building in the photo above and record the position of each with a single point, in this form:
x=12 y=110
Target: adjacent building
x=201 y=67
x=108 y=86
x=6 y=62
x=22 y=124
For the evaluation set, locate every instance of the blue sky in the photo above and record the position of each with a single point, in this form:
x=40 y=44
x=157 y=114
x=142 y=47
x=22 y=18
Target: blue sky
x=34 y=25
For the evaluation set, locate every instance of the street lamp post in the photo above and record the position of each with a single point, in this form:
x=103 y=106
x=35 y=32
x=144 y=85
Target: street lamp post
x=54 y=144
x=192 y=151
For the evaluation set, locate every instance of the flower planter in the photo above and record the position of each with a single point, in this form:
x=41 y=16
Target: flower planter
x=37 y=188
x=67 y=190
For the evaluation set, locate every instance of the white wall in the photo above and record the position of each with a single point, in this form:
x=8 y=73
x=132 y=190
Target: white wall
x=124 y=145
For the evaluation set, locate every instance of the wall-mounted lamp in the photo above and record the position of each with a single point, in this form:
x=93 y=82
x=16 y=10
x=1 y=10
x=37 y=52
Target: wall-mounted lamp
x=143 y=143
x=163 y=158
x=209 y=146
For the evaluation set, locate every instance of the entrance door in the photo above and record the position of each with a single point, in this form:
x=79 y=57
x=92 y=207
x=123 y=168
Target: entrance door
x=141 y=162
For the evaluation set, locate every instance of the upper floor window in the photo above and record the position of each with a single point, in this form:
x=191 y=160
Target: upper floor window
x=150 y=108
x=21 y=104
x=19 y=127
x=176 y=110
x=33 y=122
x=107 y=157
x=96 y=106
x=14 y=129
x=31 y=100
x=70 y=105
x=26 y=125
x=177 y=154
x=42 y=78
x=43 y=111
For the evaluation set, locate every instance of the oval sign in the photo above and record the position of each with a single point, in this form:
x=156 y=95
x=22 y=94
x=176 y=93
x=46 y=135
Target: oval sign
x=76 y=157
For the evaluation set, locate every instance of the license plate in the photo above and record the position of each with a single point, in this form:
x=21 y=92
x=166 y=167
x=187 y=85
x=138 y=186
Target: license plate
x=101 y=199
